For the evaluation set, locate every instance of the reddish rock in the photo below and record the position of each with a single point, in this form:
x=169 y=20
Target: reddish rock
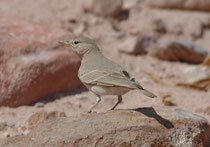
x=159 y=126
x=32 y=64
x=202 y=5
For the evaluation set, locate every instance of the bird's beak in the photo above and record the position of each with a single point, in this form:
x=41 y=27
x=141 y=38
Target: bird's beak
x=64 y=43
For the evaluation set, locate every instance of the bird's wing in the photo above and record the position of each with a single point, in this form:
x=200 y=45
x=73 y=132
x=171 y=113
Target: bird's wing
x=108 y=78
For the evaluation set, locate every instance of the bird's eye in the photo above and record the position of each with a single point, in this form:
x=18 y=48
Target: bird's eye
x=76 y=42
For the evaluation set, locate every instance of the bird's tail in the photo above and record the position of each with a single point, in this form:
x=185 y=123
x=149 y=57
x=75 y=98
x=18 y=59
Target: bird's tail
x=147 y=93
x=144 y=91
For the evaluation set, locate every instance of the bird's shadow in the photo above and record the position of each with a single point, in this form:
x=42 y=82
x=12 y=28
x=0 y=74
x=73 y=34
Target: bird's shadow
x=150 y=112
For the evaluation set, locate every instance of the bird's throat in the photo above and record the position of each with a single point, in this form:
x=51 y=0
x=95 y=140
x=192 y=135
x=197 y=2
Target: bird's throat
x=92 y=55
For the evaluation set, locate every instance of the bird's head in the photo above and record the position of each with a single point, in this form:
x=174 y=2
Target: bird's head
x=80 y=45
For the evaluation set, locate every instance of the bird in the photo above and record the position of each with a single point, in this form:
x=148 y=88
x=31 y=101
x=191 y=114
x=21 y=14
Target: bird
x=101 y=75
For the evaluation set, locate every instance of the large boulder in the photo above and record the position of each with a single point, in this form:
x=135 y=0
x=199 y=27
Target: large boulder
x=159 y=126
x=201 y=5
x=32 y=64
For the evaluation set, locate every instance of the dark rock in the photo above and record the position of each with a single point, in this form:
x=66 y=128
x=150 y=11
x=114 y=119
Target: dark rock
x=199 y=5
x=180 y=51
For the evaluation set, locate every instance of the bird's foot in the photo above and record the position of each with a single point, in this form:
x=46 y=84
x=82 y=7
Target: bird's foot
x=110 y=110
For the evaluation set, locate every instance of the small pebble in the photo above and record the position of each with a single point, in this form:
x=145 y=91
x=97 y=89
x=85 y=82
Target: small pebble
x=39 y=105
x=10 y=124
x=82 y=97
x=6 y=134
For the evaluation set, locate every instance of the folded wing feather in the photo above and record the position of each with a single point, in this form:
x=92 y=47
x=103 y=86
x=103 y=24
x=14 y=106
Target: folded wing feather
x=108 y=78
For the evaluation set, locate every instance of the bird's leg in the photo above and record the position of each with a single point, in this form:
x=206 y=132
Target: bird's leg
x=119 y=101
x=98 y=99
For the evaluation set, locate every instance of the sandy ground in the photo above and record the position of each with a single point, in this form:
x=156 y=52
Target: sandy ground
x=80 y=100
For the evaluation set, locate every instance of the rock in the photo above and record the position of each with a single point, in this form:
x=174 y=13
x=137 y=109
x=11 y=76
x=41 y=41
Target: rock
x=32 y=63
x=194 y=76
x=200 y=5
x=159 y=126
x=10 y=124
x=6 y=134
x=207 y=110
x=39 y=105
x=127 y=4
x=106 y=7
x=206 y=62
x=159 y=26
x=180 y=51
x=138 y=45
x=3 y=126
x=42 y=115
x=193 y=73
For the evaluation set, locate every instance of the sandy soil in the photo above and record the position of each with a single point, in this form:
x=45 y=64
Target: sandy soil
x=70 y=15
